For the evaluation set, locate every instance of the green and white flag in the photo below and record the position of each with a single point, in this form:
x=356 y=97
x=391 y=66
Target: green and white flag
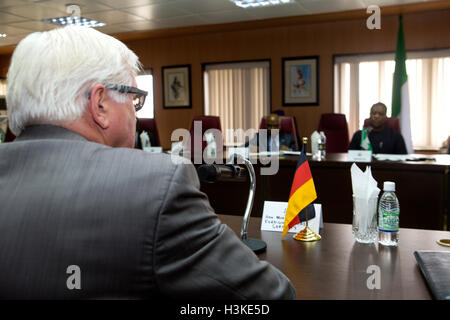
x=400 y=93
x=365 y=142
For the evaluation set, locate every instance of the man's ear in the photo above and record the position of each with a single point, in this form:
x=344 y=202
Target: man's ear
x=98 y=106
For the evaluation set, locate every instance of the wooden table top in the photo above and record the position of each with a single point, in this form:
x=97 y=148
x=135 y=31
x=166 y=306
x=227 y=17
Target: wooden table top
x=336 y=266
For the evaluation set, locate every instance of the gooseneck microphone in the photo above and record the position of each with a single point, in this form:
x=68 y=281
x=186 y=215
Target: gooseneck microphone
x=231 y=172
x=221 y=172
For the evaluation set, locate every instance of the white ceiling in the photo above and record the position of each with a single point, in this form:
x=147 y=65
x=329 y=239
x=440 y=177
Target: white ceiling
x=21 y=17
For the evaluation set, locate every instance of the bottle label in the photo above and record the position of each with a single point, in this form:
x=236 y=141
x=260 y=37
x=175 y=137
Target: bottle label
x=389 y=221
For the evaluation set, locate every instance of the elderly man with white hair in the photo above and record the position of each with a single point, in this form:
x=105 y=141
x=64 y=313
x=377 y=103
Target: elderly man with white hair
x=86 y=216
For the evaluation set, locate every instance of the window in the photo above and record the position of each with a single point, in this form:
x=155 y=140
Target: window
x=145 y=82
x=238 y=93
x=3 y=117
x=3 y=84
x=361 y=81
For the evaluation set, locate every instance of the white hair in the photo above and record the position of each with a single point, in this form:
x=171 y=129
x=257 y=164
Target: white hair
x=52 y=72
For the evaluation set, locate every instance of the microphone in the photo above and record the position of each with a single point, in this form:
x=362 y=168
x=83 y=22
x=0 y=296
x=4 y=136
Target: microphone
x=231 y=172
x=221 y=172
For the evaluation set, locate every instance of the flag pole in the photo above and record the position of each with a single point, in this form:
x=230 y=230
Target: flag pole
x=306 y=235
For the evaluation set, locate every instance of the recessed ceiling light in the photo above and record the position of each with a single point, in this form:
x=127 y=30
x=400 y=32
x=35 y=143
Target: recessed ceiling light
x=3 y=35
x=75 y=21
x=259 y=3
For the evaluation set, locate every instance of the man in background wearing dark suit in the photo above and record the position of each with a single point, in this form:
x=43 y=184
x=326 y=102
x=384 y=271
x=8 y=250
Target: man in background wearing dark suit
x=278 y=142
x=382 y=138
x=86 y=216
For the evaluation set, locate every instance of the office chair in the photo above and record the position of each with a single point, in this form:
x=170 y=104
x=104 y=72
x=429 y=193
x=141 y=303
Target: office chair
x=335 y=127
x=149 y=125
x=208 y=122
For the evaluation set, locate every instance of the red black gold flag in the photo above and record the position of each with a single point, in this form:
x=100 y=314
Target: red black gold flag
x=302 y=194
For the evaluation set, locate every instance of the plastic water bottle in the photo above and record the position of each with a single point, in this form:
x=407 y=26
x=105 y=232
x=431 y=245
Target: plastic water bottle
x=315 y=144
x=322 y=145
x=318 y=145
x=388 y=216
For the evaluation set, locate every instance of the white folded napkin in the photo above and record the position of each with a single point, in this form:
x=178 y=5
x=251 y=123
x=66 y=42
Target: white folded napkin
x=365 y=193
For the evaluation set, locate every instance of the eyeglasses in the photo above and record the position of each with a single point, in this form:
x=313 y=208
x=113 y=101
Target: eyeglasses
x=138 y=98
x=138 y=94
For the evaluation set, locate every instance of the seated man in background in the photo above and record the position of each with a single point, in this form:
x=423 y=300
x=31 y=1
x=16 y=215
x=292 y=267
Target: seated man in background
x=280 y=142
x=86 y=216
x=383 y=139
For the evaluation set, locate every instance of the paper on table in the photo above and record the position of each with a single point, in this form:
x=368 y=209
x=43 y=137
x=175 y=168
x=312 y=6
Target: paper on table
x=403 y=157
x=274 y=213
x=293 y=153
x=264 y=153
x=275 y=153
x=390 y=157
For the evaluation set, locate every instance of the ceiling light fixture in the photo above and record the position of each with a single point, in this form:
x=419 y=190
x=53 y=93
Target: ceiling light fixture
x=3 y=35
x=259 y=3
x=74 y=19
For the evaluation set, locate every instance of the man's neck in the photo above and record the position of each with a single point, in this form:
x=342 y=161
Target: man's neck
x=378 y=129
x=85 y=129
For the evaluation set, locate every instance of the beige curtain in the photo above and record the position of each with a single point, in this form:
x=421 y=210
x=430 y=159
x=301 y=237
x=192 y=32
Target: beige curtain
x=346 y=92
x=436 y=127
x=238 y=93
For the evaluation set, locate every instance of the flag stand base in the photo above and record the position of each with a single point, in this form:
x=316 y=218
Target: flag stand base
x=307 y=235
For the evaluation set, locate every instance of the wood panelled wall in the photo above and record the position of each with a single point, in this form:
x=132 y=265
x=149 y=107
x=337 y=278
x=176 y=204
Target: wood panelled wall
x=4 y=64
x=324 y=35
x=423 y=30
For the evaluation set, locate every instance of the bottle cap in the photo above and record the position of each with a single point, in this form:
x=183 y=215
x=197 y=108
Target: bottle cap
x=389 y=186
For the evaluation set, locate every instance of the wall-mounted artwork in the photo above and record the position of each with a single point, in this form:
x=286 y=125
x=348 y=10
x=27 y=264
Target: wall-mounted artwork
x=301 y=81
x=176 y=86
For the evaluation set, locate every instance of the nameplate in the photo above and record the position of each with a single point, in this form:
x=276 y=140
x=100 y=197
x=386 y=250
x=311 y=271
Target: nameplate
x=359 y=156
x=275 y=211
x=153 y=149
x=241 y=151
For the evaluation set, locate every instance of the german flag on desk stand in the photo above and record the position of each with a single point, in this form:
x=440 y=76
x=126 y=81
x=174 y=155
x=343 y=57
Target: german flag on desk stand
x=302 y=194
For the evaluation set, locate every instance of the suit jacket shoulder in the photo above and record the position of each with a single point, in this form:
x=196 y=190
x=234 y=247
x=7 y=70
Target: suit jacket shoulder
x=355 y=143
x=135 y=223
x=287 y=140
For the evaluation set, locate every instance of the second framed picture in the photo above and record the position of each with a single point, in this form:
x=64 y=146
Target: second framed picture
x=300 y=81
x=176 y=86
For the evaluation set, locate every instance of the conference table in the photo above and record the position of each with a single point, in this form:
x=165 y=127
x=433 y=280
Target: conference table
x=422 y=187
x=337 y=267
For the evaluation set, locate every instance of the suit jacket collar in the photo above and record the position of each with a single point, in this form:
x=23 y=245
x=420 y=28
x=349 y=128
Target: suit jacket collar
x=46 y=131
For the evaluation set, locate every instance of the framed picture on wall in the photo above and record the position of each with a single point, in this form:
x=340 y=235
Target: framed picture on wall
x=300 y=81
x=176 y=86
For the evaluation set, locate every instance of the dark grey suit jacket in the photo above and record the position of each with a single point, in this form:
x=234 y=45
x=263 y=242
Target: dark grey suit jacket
x=135 y=224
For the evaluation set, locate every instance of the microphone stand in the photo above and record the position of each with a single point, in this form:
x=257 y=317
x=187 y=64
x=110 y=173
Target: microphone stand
x=256 y=245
